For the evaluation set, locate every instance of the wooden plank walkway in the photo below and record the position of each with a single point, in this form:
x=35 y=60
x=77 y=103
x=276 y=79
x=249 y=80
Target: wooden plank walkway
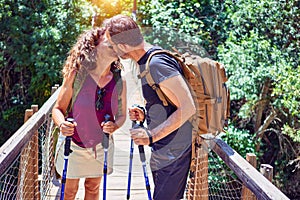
x=117 y=181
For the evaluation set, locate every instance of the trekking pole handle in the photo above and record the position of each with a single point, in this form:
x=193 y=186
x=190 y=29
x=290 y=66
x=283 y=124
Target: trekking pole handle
x=141 y=123
x=106 y=135
x=138 y=124
x=68 y=140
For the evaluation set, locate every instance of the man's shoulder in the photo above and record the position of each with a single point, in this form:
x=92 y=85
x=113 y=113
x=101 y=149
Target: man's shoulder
x=161 y=58
x=163 y=61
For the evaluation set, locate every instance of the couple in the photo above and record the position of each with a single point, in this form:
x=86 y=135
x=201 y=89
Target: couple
x=91 y=64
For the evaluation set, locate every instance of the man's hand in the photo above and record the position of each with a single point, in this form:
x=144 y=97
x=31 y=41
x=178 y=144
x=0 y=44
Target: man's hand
x=136 y=114
x=140 y=136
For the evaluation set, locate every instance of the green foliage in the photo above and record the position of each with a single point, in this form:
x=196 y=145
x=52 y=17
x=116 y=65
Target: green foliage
x=241 y=141
x=258 y=41
x=35 y=39
x=105 y=9
x=190 y=26
x=262 y=46
x=292 y=132
x=12 y=118
x=254 y=53
x=287 y=88
x=286 y=94
x=248 y=62
x=272 y=19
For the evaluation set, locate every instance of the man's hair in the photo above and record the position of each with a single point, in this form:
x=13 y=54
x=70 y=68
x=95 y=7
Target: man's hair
x=124 y=30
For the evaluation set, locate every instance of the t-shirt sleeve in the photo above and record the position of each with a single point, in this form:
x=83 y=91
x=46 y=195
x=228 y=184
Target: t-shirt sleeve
x=163 y=67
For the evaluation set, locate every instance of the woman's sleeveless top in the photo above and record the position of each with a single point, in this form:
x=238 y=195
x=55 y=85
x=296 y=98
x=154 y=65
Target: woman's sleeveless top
x=88 y=132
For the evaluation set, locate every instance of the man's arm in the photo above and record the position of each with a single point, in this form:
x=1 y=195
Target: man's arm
x=176 y=89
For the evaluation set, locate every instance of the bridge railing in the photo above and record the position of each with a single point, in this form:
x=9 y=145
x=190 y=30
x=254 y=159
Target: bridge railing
x=27 y=165
x=222 y=173
x=26 y=159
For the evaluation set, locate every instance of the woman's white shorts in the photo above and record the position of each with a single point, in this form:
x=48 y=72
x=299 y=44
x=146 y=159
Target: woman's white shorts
x=84 y=162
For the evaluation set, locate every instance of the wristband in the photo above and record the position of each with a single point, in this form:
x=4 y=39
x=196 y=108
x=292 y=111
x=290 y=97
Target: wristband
x=150 y=141
x=150 y=138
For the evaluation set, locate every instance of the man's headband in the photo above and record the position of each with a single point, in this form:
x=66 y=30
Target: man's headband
x=132 y=37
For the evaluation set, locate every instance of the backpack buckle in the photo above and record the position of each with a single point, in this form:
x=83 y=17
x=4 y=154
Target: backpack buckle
x=155 y=86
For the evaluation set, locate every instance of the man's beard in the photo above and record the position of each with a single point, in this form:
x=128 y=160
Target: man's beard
x=125 y=56
x=122 y=54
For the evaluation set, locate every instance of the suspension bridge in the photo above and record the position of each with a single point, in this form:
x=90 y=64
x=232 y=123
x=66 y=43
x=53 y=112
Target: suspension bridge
x=27 y=164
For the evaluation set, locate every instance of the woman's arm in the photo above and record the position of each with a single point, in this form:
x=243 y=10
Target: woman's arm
x=111 y=127
x=61 y=105
x=122 y=117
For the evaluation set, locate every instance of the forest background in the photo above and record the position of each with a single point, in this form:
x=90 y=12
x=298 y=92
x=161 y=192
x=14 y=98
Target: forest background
x=257 y=40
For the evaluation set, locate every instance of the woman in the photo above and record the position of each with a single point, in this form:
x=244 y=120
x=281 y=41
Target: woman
x=89 y=92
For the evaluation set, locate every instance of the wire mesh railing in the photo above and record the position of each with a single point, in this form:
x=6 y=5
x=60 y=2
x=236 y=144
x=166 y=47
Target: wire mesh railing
x=221 y=173
x=26 y=159
x=212 y=179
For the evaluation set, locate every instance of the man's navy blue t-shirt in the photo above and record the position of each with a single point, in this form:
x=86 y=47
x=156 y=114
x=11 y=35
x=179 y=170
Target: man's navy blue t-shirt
x=163 y=67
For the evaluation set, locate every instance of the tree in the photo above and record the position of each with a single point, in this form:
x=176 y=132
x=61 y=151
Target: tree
x=195 y=25
x=263 y=62
x=105 y=9
x=34 y=41
x=258 y=41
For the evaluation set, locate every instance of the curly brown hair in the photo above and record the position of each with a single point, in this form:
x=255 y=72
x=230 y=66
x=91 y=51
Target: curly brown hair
x=83 y=53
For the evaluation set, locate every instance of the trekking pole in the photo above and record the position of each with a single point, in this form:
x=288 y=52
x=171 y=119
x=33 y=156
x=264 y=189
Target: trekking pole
x=130 y=167
x=143 y=157
x=105 y=144
x=66 y=159
x=144 y=165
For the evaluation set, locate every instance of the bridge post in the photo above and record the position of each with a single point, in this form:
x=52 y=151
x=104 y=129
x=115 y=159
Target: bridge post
x=198 y=184
x=246 y=193
x=267 y=171
x=28 y=184
x=53 y=138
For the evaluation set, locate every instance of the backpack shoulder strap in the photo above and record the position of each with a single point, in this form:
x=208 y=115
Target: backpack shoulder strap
x=119 y=85
x=77 y=85
x=79 y=80
x=149 y=78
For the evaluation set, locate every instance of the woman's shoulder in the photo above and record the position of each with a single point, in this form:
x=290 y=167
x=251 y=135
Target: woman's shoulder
x=69 y=79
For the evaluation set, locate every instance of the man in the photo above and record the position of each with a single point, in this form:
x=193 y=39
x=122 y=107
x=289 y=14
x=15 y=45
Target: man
x=168 y=129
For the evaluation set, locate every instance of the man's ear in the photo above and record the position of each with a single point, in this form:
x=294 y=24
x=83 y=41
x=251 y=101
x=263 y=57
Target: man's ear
x=124 y=47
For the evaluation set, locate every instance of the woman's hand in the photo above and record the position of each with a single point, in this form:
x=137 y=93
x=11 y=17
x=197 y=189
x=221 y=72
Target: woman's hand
x=67 y=128
x=109 y=127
